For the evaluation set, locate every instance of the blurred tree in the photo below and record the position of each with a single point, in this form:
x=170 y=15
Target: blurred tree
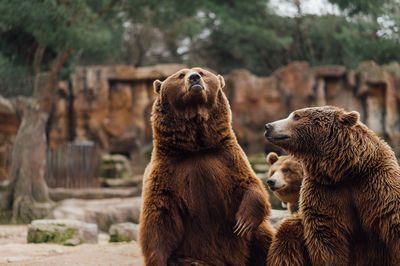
x=245 y=34
x=371 y=31
x=156 y=30
x=41 y=36
x=354 y=7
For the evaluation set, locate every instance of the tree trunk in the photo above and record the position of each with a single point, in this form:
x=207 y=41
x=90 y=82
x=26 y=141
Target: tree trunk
x=30 y=198
x=28 y=192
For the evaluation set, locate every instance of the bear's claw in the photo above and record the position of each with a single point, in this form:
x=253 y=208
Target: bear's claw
x=241 y=228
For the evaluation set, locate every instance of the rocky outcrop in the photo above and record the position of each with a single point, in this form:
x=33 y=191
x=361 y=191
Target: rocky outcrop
x=277 y=217
x=372 y=90
x=254 y=100
x=104 y=212
x=110 y=105
x=124 y=232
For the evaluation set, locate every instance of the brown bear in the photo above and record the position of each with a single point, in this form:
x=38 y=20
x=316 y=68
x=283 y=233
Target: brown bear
x=350 y=197
x=285 y=176
x=202 y=202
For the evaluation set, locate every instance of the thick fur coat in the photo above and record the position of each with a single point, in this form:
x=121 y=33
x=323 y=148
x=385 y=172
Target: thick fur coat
x=201 y=200
x=350 y=197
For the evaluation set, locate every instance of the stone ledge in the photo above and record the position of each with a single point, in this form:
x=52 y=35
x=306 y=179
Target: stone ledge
x=58 y=194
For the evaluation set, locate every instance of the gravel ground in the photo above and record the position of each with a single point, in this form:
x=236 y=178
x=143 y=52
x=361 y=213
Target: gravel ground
x=15 y=251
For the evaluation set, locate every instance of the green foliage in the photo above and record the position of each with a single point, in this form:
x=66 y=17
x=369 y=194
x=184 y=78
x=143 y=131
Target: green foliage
x=219 y=34
x=56 y=25
x=354 y=7
x=243 y=36
x=14 y=79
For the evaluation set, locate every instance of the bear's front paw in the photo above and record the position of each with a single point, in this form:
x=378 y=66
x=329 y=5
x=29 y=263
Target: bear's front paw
x=244 y=227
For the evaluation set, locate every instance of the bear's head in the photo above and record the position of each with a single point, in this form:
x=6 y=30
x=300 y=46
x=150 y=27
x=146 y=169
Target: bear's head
x=285 y=176
x=325 y=136
x=191 y=112
x=312 y=131
x=189 y=89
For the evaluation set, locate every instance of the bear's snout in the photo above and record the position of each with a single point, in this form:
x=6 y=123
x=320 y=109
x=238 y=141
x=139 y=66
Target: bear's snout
x=268 y=127
x=195 y=83
x=276 y=131
x=194 y=78
x=271 y=183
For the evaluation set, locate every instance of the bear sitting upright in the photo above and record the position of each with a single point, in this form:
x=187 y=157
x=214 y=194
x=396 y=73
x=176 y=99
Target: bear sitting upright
x=285 y=176
x=202 y=202
x=350 y=197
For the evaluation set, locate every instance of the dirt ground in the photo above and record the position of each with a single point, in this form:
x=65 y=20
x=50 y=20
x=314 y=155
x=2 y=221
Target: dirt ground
x=15 y=251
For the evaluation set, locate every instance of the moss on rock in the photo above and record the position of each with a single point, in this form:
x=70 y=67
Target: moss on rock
x=65 y=232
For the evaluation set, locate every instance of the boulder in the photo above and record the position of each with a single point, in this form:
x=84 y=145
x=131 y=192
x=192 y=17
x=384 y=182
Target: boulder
x=104 y=212
x=115 y=166
x=122 y=182
x=124 y=232
x=66 y=232
x=277 y=217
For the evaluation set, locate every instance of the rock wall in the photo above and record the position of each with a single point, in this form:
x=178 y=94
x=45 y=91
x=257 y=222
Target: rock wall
x=111 y=105
x=372 y=90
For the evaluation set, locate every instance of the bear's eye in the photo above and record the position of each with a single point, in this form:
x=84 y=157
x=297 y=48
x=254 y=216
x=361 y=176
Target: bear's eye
x=181 y=76
x=201 y=74
x=296 y=117
x=285 y=170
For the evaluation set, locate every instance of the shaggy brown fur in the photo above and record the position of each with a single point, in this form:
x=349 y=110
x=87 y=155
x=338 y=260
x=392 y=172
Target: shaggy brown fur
x=201 y=201
x=350 y=197
x=288 y=246
x=284 y=178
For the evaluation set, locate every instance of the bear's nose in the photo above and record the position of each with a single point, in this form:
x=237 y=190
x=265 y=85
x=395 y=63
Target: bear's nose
x=268 y=128
x=194 y=78
x=271 y=183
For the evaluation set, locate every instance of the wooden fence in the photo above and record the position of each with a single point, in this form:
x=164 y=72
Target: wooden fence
x=74 y=165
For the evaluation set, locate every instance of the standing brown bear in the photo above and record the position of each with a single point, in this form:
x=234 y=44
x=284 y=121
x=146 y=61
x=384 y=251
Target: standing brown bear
x=350 y=197
x=201 y=200
x=285 y=176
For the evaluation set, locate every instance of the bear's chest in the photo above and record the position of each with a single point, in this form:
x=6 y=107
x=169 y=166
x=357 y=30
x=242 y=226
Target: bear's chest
x=207 y=188
x=334 y=202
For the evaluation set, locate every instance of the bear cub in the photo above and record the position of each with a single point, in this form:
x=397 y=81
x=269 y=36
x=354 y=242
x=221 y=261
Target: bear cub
x=285 y=176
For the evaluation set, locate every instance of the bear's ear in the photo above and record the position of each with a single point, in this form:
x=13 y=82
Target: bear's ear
x=157 y=86
x=221 y=81
x=349 y=119
x=272 y=157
